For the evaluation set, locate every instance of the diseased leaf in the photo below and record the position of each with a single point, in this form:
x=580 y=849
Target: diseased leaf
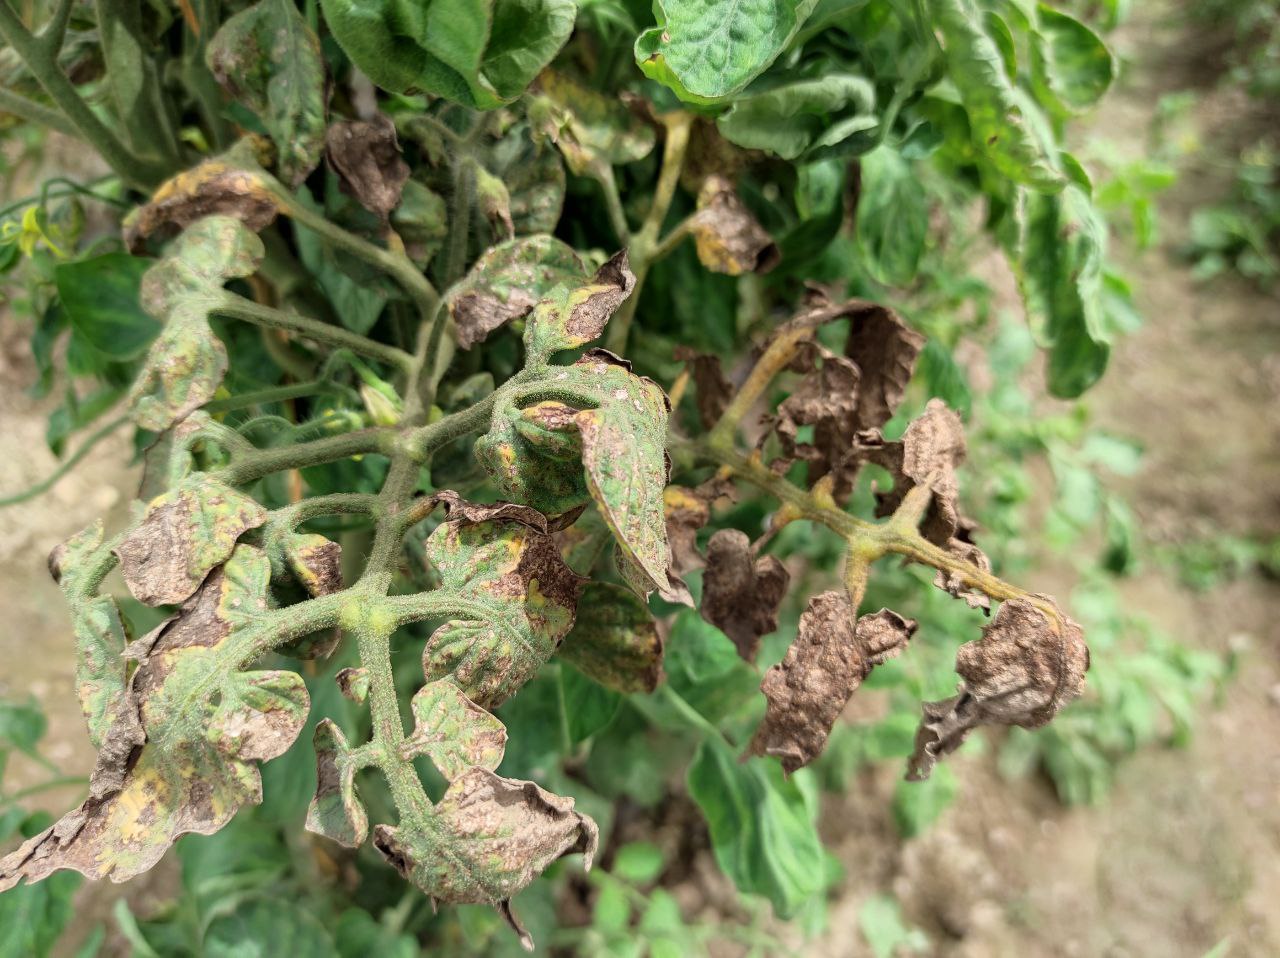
x=353 y=683
x=480 y=53
x=741 y=594
x=884 y=348
x=1029 y=663
x=421 y=220
x=453 y=731
x=822 y=669
x=336 y=812
x=516 y=601
x=183 y=535
x=962 y=545
x=180 y=754
x=712 y=388
x=805 y=118
x=222 y=187
x=729 y=238
x=506 y=282
x=185 y=365
x=615 y=640
x=269 y=59
x=827 y=400
x=486 y=840
x=707 y=51
x=569 y=317
x=688 y=510
x=366 y=156
x=316 y=562
x=100 y=296
x=590 y=128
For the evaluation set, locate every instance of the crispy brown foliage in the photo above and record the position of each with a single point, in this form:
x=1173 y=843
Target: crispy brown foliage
x=611 y=284
x=458 y=509
x=962 y=545
x=1025 y=668
x=884 y=348
x=366 y=156
x=729 y=238
x=740 y=593
x=215 y=187
x=688 y=510
x=827 y=400
x=826 y=663
x=712 y=390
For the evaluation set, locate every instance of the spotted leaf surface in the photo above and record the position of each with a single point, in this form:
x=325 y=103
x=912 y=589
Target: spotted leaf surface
x=567 y=318
x=615 y=640
x=336 y=812
x=590 y=128
x=453 y=731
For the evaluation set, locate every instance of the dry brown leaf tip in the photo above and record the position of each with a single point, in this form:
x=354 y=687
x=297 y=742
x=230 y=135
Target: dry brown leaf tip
x=712 y=389
x=214 y=187
x=366 y=156
x=741 y=594
x=811 y=686
x=1030 y=662
x=885 y=349
x=728 y=237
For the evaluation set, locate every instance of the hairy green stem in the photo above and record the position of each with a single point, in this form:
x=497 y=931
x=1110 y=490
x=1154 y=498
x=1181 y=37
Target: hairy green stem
x=252 y=464
x=603 y=173
x=261 y=397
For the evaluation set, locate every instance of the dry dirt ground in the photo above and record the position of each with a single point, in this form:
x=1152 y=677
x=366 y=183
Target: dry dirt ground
x=1185 y=855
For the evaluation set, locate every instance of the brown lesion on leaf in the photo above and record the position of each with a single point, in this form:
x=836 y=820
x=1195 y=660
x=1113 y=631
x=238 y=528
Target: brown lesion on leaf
x=712 y=389
x=728 y=237
x=366 y=156
x=741 y=594
x=612 y=283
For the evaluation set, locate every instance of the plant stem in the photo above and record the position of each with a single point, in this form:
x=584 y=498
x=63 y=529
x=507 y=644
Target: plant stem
x=261 y=397
x=603 y=173
x=252 y=464
x=37 y=113
x=779 y=353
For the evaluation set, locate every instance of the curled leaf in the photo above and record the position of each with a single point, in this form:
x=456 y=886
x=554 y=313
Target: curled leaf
x=827 y=400
x=567 y=318
x=884 y=348
x=366 y=156
x=486 y=840
x=729 y=238
x=962 y=545
x=1029 y=663
x=336 y=812
x=453 y=731
x=615 y=640
x=315 y=561
x=688 y=510
x=183 y=534
x=805 y=119
x=809 y=688
x=741 y=594
x=216 y=187
x=592 y=128
x=353 y=683
x=713 y=390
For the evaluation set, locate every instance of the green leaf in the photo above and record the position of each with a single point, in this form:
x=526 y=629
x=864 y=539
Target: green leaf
x=567 y=316
x=453 y=731
x=708 y=50
x=893 y=218
x=22 y=725
x=805 y=119
x=588 y=706
x=356 y=303
x=269 y=60
x=185 y=365
x=917 y=805
x=592 y=128
x=881 y=924
x=1070 y=60
x=34 y=916
x=997 y=118
x=480 y=53
x=268 y=928
x=359 y=935
x=336 y=812
x=615 y=639
x=762 y=829
x=101 y=298
x=638 y=862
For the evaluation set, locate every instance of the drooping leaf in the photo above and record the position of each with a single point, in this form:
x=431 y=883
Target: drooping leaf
x=893 y=217
x=100 y=297
x=181 y=753
x=590 y=128
x=805 y=118
x=741 y=594
x=822 y=669
x=688 y=510
x=269 y=60
x=615 y=640
x=453 y=731
x=713 y=390
x=826 y=400
x=185 y=365
x=569 y=317
x=516 y=601
x=480 y=53
x=962 y=545
x=1030 y=663
x=707 y=51
x=366 y=156
x=729 y=238
x=336 y=812
x=1069 y=59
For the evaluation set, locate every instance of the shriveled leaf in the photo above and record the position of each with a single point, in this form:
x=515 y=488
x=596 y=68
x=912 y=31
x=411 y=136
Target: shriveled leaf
x=962 y=545
x=590 y=128
x=805 y=118
x=507 y=281
x=185 y=365
x=269 y=60
x=460 y=510
x=688 y=510
x=486 y=840
x=180 y=755
x=516 y=599
x=827 y=400
x=336 y=812
x=615 y=640
x=480 y=53
x=826 y=663
x=1030 y=662
x=708 y=51
x=353 y=683
x=315 y=561
x=366 y=156
x=713 y=390
x=216 y=187
x=569 y=317
x=884 y=348
x=741 y=594
x=453 y=731
x=494 y=200
x=183 y=535
x=729 y=238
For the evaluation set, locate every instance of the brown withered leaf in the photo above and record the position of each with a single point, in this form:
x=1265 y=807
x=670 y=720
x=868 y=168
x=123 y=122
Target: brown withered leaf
x=884 y=348
x=489 y=838
x=827 y=400
x=688 y=510
x=729 y=238
x=316 y=562
x=215 y=187
x=930 y=451
x=571 y=316
x=1025 y=668
x=962 y=545
x=826 y=663
x=458 y=509
x=183 y=534
x=712 y=390
x=740 y=593
x=366 y=156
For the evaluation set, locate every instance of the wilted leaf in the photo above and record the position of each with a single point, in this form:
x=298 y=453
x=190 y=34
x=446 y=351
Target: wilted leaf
x=217 y=187
x=184 y=534
x=741 y=594
x=336 y=812
x=315 y=561
x=185 y=365
x=569 y=317
x=713 y=390
x=453 y=731
x=507 y=281
x=962 y=545
x=269 y=59
x=706 y=52
x=486 y=840
x=884 y=348
x=827 y=400
x=729 y=238
x=181 y=752
x=481 y=54
x=826 y=663
x=806 y=119
x=615 y=640
x=353 y=683
x=366 y=156
x=1025 y=668
x=688 y=510
x=592 y=128
x=516 y=601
